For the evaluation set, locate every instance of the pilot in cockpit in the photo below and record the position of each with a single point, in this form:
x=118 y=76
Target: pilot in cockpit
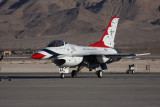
x=56 y=43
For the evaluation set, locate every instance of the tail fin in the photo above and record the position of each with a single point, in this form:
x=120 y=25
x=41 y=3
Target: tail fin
x=107 y=39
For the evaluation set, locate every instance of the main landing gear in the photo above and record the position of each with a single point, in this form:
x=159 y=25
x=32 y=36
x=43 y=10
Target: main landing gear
x=99 y=73
x=75 y=72
x=62 y=75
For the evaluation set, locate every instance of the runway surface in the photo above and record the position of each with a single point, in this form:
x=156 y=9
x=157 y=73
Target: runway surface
x=48 y=90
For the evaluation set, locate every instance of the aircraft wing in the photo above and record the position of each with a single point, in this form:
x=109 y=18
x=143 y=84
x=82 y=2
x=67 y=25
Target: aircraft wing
x=118 y=55
x=125 y=55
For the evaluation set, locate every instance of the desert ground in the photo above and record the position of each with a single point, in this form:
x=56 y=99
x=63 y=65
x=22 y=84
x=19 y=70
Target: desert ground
x=11 y=66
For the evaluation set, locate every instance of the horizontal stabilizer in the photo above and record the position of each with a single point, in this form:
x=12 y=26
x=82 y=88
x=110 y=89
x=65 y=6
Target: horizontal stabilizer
x=143 y=54
x=135 y=58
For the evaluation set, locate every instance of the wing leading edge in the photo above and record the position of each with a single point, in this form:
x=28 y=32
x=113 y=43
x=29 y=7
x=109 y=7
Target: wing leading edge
x=116 y=55
x=125 y=55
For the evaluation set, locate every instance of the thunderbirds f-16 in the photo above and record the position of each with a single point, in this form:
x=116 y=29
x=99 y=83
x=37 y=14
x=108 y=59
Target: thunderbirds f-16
x=94 y=56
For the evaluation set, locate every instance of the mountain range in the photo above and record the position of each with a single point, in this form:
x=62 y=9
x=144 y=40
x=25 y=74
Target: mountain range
x=28 y=23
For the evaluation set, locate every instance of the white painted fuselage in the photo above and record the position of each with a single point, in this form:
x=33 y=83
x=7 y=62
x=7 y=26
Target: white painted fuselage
x=74 y=50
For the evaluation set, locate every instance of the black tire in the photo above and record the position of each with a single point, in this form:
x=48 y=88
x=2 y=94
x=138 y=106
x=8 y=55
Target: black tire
x=62 y=75
x=73 y=73
x=133 y=71
x=99 y=74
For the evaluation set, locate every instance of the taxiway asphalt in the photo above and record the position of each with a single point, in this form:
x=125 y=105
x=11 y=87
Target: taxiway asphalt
x=48 y=90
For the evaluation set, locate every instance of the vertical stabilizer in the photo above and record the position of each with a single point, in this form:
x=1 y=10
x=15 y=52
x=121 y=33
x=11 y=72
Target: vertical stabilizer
x=108 y=37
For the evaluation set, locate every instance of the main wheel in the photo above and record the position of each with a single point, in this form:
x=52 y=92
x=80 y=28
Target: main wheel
x=62 y=75
x=99 y=74
x=73 y=73
x=133 y=71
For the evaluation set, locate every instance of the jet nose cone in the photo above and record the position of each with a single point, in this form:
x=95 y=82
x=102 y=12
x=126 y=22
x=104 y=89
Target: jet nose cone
x=38 y=56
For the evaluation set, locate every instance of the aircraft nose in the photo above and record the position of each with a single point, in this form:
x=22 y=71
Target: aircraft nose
x=37 y=56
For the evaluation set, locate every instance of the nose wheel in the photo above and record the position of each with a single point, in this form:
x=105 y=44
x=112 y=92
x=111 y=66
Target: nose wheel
x=63 y=70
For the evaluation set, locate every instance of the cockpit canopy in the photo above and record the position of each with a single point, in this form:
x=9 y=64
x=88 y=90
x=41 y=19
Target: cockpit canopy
x=56 y=43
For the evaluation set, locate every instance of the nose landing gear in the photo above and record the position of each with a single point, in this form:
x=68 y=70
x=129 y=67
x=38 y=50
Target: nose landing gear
x=63 y=70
